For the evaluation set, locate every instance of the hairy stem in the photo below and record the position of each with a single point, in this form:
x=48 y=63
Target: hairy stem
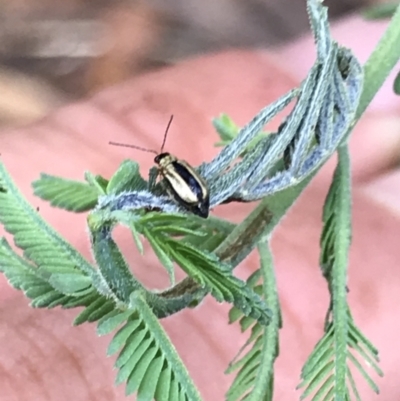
x=382 y=60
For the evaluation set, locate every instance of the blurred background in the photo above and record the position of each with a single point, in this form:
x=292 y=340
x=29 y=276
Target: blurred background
x=55 y=51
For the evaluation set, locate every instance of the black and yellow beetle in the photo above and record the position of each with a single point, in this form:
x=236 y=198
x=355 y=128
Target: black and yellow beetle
x=185 y=185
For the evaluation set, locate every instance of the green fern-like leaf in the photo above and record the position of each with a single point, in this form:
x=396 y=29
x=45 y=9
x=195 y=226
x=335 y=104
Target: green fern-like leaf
x=97 y=308
x=217 y=277
x=255 y=374
x=147 y=361
x=24 y=276
x=127 y=178
x=318 y=373
x=40 y=243
x=162 y=256
x=70 y=283
x=226 y=129
x=204 y=267
x=97 y=181
x=65 y=194
x=326 y=374
x=47 y=258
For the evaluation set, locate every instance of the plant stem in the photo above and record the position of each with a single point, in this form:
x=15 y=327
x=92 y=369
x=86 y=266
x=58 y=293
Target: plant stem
x=382 y=60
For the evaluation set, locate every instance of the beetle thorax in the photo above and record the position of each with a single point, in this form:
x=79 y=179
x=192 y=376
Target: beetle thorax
x=164 y=159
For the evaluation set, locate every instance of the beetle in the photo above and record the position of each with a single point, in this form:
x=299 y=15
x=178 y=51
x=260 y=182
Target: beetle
x=185 y=185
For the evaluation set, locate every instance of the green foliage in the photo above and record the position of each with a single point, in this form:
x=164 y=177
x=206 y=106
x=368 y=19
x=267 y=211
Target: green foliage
x=39 y=286
x=70 y=283
x=385 y=11
x=336 y=233
x=326 y=374
x=159 y=230
x=47 y=261
x=210 y=273
x=40 y=243
x=24 y=276
x=147 y=361
x=96 y=181
x=52 y=273
x=76 y=196
x=112 y=265
x=49 y=284
x=319 y=373
x=171 y=237
x=380 y=63
x=381 y=11
x=127 y=178
x=96 y=307
x=65 y=194
x=228 y=130
x=254 y=379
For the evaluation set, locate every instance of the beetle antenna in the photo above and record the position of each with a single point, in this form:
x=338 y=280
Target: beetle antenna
x=166 y=132
x=126 y=145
